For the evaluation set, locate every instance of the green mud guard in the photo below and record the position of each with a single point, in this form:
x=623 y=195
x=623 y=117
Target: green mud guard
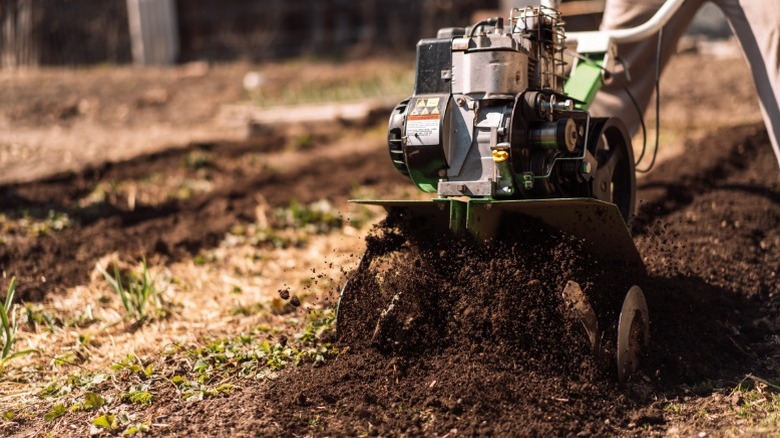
x=598 y=223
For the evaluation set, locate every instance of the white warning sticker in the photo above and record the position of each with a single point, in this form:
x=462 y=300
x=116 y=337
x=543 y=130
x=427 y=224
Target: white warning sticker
x=423 y=129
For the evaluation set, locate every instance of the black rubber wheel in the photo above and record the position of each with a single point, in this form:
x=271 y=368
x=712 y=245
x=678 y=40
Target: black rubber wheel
x=614 y=179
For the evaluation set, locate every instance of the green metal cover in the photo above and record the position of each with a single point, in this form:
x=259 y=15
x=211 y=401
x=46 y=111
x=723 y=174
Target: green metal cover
x=598 y=223
x=585 y=81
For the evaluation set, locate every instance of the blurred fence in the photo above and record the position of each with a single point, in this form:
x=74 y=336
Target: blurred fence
x=153 y=31
x=63 y=32
x=257 y=30
x=77 y=32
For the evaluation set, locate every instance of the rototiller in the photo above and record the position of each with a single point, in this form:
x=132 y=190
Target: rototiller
x=499 y=124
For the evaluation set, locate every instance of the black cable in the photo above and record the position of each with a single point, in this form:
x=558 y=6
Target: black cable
x=636 y=104
x=657 y=102
x=488 y=21
x=641 y=124
x=638 y=110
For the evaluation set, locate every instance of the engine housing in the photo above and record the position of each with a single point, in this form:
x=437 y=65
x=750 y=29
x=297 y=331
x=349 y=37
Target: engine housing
x=488 y=117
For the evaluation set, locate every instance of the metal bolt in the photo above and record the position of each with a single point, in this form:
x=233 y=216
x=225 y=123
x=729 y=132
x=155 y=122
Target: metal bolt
x=566 y=105
x=462 y=188
x=442 y=173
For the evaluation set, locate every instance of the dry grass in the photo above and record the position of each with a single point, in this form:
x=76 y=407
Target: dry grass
x=225 y=321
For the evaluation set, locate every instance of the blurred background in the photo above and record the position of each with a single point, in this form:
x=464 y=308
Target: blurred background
x=82 y=32
x=78 y=32
x=72 y=95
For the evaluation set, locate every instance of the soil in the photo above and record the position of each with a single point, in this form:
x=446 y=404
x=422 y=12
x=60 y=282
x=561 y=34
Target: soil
x=479 y=342
x=171 y=228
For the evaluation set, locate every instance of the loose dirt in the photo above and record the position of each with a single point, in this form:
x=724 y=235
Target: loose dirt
x=479 y=341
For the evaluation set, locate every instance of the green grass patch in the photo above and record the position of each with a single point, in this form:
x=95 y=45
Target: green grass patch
x=138 y=291
x=214 y=368
x=32 y=223
x=757 y=402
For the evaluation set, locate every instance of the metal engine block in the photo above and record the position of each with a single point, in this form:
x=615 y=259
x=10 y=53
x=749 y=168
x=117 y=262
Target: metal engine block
x=489 y=117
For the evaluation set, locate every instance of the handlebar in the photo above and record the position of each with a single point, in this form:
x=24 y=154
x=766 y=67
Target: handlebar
x=633 y=34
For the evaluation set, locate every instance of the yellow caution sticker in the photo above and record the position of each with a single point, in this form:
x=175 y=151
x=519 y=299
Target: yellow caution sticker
x=423 y=125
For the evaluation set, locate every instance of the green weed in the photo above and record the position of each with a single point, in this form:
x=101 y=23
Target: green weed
x=675 y=408
x=56 y=411
x=9 y=327
x=91 y=402
x=316 y=218
x=138 y=292
x=106 y=421
x=134 y=365
x=247 y=310
x=138 y=397
x=137 y=428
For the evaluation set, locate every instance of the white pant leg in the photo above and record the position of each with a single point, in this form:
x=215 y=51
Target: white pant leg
x=640 y=57
x=756 y=23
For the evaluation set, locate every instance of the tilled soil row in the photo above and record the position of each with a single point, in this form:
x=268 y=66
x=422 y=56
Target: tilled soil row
x=176 y=229
x=477 y=340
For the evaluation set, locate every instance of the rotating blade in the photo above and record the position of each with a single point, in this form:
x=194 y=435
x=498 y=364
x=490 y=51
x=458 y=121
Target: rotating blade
x=633 y=333
x=576 y=300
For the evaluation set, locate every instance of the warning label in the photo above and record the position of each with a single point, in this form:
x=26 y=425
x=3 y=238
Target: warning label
x=423 y=122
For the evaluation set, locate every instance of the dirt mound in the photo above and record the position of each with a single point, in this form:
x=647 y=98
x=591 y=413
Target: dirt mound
x=417 y=293
x=470 y=334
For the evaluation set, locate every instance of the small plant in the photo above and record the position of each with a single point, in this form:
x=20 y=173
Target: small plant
x=138 y=397
x=675 y=408
x=316 y=218
x=9 y=326
x=56 y=411
x=106 y=422
x=91 y=402
x=138 y=292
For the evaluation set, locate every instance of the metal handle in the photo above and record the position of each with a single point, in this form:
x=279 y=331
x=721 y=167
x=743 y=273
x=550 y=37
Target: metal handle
x=633 y=34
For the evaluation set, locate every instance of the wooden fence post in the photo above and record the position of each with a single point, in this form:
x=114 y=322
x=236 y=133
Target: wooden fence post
x=153 y=31
x=17 y=45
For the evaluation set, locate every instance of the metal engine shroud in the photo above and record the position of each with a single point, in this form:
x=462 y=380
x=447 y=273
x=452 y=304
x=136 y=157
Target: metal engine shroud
x=489 y=118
